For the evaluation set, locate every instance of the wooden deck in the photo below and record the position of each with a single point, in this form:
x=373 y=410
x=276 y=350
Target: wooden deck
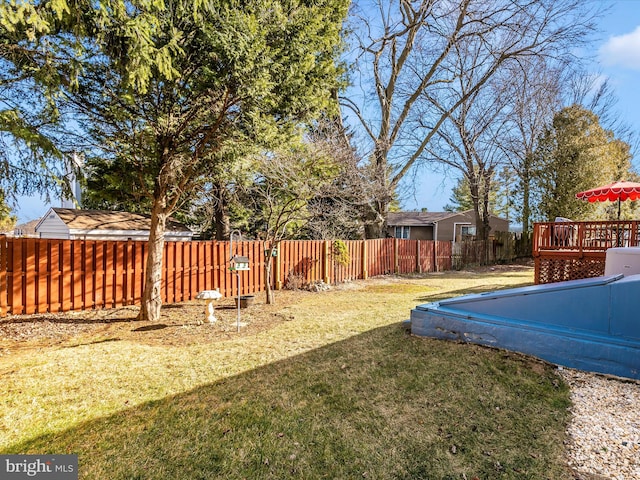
x=573 y=250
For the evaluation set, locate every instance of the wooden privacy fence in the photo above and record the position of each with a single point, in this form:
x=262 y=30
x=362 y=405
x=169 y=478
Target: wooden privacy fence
x=44 y=275
x=505 y=247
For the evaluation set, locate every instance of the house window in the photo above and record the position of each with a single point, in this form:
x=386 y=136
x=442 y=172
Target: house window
x=402 y=232
x=468 y=231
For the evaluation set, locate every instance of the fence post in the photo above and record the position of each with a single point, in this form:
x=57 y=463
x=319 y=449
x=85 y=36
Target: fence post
x=365 y=261
x=396 y=260
x=434 y=255
x=418 y=264
x=325 y=262
x=3 y=276
x=580 y=238
x=278 y=265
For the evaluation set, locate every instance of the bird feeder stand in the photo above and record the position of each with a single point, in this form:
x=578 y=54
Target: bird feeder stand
x=237 y=263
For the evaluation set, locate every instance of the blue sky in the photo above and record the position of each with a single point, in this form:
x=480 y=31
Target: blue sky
x=618 y=55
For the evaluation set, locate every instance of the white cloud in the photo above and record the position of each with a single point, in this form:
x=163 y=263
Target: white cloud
x=622 y=50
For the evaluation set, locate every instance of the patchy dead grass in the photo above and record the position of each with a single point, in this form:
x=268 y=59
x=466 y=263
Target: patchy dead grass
x=320 y=385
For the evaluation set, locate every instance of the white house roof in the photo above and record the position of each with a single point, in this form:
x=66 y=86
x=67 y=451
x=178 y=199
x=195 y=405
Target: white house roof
x=93 y=220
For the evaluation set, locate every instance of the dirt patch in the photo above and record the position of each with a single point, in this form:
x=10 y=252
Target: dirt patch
x=181 y=323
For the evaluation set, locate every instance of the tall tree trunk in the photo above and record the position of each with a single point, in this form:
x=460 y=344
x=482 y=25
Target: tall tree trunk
x=221 y=212
x=374 y=226
x=525 y=178
x=484 y=212
x=474 y=190
x=222 y=224
x=376 y=214
x=482 y=232
x=479 y=187
x=151 y=297
x=268 y=262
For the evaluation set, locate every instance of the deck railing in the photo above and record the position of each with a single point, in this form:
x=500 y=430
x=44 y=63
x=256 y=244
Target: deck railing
x=573 y=250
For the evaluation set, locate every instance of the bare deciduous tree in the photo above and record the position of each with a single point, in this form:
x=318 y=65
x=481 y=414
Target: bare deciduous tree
x=404 y=55
x=336 y=209
x=535 y=94
x=539 y=90
x=284 y=184
x=469 y=139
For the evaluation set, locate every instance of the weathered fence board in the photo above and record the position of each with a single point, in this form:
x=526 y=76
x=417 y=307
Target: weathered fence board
x=44 y=275
x=380 y=257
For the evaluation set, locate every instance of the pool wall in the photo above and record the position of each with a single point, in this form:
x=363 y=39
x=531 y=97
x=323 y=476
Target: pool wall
x=591 y=324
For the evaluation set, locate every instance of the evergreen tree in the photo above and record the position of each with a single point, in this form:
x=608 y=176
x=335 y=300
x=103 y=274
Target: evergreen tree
x=575 y=154
x=165 y=87
x=43 y=45
x=461 y=199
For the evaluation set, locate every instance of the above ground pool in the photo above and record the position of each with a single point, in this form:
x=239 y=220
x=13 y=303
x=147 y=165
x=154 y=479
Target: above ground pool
x=591 y=324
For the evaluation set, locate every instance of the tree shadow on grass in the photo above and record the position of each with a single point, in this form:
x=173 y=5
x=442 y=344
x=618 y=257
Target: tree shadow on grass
x=381 y=404
x=65 y=318
x=148 y=328
x=438 y=296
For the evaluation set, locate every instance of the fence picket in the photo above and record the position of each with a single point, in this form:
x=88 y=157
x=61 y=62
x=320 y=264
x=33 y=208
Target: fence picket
x=3 y=276
x=16 y=275
x=89 y=273
x=41 y=277
x=98 y=293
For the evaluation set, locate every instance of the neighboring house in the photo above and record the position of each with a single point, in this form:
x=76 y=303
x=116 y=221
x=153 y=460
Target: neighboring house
x=444 y=226
x=74 y=224
x=25 y=229
x=22 y=230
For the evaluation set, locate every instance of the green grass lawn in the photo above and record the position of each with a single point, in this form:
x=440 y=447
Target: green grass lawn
x=339 y=390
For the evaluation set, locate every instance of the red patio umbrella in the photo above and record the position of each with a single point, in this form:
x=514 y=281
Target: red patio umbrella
x=619 y=191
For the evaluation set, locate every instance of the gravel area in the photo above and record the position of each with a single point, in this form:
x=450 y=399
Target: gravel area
x=604 y=434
